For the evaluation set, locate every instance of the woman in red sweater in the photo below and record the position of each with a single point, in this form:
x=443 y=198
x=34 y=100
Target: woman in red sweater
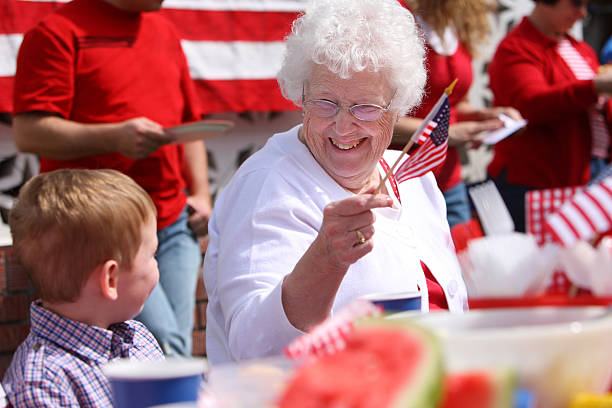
x=453 y=30
x=551 y=78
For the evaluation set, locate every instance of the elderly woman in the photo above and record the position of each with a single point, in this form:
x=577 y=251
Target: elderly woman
x=298 y=232
x=551 y=78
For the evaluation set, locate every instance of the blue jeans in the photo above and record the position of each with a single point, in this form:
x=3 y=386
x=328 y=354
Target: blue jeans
x=514 y=197
x=597 y=166
x=457 y=205
x=169 y=311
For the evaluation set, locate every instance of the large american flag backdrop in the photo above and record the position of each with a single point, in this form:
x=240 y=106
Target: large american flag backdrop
x=234 y=47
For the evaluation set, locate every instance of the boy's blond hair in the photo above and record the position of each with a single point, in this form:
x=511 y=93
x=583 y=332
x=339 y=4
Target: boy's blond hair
x=68 y=222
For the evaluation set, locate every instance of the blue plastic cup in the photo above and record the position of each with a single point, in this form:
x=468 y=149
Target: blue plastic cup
x=396 y=302
x=141 y=384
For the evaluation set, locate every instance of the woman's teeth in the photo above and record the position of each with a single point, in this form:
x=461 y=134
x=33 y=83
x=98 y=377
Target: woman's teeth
x=343 y=146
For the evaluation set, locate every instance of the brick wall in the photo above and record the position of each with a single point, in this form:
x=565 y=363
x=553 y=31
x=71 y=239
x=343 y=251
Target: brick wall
x=16 y=295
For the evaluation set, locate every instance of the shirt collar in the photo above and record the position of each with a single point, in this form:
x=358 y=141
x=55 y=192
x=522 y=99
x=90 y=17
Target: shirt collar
x=90 y=342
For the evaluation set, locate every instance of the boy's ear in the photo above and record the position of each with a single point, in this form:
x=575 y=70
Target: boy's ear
x=109 y=279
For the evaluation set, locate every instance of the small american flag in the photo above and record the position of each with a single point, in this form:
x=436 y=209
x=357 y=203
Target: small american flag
x=432 y=136
x=585 y=216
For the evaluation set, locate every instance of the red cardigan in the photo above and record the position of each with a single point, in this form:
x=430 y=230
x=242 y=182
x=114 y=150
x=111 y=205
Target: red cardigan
x=528 y=74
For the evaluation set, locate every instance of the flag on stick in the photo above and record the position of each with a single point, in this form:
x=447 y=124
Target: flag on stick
x=585 y=216
x=432 y=139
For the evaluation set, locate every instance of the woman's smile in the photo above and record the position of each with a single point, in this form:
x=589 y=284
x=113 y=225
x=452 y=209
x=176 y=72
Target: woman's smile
x=343 y=146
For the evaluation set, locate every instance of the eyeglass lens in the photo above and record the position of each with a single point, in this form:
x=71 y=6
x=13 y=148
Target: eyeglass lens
x=365 y=112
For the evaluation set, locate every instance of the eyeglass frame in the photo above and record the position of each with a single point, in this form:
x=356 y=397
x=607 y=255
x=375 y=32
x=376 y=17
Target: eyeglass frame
x=349 y=108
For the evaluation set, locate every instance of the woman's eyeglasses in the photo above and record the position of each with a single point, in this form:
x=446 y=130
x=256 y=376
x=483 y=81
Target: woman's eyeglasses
x=323 y=108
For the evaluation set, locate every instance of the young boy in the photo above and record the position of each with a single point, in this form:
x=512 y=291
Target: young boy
x=87 y=239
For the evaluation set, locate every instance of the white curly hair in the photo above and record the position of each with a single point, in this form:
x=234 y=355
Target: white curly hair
x=348 y=36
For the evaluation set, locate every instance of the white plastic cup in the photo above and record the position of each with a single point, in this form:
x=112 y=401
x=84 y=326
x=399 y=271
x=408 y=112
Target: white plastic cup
x=141 y=384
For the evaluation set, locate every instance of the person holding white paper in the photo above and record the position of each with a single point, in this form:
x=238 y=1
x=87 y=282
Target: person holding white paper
x=453 y=31
x=552 y=79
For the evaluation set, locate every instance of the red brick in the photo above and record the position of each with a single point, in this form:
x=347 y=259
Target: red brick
x=14 y=307
x=3 y=283
x=12 y=335
x=200 y=322
x=200 y=289
x=198 y=338
x=17 y=279
x=5 y=361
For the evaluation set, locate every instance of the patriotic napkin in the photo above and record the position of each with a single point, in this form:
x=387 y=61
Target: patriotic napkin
x=330 y=336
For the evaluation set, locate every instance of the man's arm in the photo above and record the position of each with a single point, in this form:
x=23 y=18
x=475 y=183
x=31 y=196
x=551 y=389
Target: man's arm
x=196 y=169
x=51 y=136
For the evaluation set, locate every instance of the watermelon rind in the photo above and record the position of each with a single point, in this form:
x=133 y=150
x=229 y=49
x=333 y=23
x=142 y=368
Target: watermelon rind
x=424 y=389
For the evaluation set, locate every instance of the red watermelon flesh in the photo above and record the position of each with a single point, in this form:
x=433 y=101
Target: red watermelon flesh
x=478 y=389
x=377 y=369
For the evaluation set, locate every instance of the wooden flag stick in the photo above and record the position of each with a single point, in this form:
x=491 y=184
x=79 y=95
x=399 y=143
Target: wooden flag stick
x=447 y=91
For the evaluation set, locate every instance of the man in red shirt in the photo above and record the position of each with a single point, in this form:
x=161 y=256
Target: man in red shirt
x=97 y=81
x=559 y=147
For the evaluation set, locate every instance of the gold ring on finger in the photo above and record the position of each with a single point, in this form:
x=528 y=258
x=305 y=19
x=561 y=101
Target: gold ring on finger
x=361 y=237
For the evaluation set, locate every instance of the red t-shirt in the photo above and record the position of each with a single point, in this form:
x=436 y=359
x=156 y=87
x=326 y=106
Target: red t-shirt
x=527 y=73
x=93 y=63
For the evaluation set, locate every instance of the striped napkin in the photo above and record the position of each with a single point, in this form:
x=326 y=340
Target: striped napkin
x=330 y=336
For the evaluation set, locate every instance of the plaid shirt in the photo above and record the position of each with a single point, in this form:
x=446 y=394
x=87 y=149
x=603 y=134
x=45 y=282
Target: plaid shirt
x=60 y=362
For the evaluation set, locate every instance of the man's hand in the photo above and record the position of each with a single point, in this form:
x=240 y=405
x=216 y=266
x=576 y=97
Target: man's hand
x=139 y=137
x=199 y=214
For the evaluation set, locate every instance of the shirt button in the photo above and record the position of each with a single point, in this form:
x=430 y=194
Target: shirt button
x=36 y=347
x=452 y=288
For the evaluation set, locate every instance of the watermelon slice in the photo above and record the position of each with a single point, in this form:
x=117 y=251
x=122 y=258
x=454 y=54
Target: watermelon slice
x=479 y=389
x=383 y=365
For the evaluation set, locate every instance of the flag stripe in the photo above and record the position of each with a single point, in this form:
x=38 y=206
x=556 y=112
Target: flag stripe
x=234 y=48
x=572 y=229
x=584 y=216
x=592 y=212
x=9 y=45
x=581 y=224
x=560 y=230
x=235 y=60
x=212 y=25
x=242 y=95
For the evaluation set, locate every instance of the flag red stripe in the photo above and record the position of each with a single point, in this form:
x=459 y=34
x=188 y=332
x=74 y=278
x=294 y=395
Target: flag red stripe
x=556 y=237
x=242 y=95
x=569 y=224
x=596 y=202
x=195 y=25
x=421 y=165
x=420 y=172
x=428 y=150
x=20 y=16
x=231 y=25
x=585 y=216
x=6 y=103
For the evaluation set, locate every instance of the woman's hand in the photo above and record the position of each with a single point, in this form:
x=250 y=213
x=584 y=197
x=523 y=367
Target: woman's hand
x=344 y=237
x=348 y=226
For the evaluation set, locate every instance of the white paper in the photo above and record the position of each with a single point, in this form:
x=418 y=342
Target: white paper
x=511 y=126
